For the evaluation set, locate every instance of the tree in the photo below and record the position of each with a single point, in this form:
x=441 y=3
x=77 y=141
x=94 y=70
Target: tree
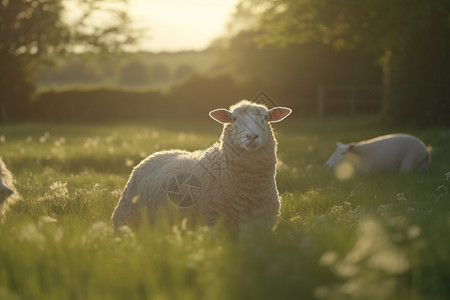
x=299 y=68
x=134 y=73
x=37 y=29
x=411 y=39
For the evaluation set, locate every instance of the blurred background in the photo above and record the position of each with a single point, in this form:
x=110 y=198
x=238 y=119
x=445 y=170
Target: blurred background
x=119 y=60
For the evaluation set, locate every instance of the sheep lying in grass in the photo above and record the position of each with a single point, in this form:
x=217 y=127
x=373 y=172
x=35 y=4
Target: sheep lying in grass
x=233 y=180
x=8 y=193
x=393 y=152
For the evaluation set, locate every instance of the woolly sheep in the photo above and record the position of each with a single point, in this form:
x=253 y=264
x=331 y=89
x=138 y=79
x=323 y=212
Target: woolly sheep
x=393 y=152
x=232 y=181
x=8 y=193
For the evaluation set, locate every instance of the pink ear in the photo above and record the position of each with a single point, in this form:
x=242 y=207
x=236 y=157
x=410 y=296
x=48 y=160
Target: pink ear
x=277 y=114
x=221 y=115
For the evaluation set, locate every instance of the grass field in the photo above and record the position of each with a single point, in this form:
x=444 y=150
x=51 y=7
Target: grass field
x=379 y=236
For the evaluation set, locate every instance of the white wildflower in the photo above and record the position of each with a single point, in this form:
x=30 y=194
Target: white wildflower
x=59 y=189
x=98 y=231
x=414 y=232
x=328 y=258
x=401 y=197
x=384 y=209
x=92 y=142
x=46 y=220
x=44 y=138
x=129 y=162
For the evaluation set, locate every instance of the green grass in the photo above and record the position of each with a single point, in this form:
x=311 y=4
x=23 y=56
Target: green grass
x=377 y=236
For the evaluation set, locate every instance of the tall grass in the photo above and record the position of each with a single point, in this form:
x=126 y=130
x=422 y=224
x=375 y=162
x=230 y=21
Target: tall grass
x=374 y=236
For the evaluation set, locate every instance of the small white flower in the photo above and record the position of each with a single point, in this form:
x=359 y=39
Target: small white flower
x=129 y=162
x=401 y=197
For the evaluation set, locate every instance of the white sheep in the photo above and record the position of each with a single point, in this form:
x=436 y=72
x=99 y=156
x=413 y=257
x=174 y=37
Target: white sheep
x=233 y=180
x=394 y=152
x=8 y=193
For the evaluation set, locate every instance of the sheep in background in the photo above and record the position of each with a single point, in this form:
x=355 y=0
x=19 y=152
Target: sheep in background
x=8 y=193
x=233 y=180
x=394 y=152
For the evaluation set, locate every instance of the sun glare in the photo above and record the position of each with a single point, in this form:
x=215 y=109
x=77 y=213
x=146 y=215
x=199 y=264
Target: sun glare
x=170 y=25
x=179 y=24
x=344 y=171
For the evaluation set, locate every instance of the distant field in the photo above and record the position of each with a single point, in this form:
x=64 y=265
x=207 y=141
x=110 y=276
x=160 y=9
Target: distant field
x=379 y=236
x=95 y=72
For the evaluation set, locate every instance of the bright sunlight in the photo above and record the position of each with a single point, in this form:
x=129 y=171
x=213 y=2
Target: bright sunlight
x=179 y=25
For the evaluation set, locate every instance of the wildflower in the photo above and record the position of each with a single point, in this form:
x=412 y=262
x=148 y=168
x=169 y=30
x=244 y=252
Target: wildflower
x=129 y=162
x=44 y=138
x=384 y=209
x=91 y=142
x=414 y=232
x=59 y=189
x=401 y=197
x=46 y=220
x=328 y=258
x=98 y=231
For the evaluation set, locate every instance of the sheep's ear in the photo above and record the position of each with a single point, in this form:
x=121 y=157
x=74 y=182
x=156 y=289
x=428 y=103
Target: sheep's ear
x=277 y=114
x=351 y=147
x=221 y=115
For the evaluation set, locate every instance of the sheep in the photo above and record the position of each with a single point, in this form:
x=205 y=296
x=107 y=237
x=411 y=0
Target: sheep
x=233 y=181
x=8 y=193
x=394 y=152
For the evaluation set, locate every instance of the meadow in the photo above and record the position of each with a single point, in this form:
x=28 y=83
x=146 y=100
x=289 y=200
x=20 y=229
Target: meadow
x=373 y=236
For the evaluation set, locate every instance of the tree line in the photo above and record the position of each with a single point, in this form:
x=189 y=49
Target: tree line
x=124 y=70
x=409 y=40
x=289 y=48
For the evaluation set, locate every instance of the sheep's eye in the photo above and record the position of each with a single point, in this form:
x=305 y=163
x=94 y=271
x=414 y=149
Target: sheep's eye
x=233 y=119
x=266 y=118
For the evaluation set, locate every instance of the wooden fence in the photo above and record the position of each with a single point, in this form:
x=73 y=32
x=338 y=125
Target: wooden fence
x=348 y=99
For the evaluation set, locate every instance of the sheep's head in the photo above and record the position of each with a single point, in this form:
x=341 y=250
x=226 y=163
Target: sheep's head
x=340 y=154
x=249 y=123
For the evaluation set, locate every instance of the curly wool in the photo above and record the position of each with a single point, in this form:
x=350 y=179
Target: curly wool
x=237 y=186
x=8 y=193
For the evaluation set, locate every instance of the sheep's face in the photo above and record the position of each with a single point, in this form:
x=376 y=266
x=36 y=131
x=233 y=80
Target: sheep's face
x=339 y=155
x=250 y=128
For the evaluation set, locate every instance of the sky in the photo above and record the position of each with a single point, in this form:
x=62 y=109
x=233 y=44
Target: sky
x=176 y=25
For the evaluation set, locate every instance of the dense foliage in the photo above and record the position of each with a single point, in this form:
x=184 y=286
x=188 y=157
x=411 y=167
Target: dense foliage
x=409 y=38
x=39 y=29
